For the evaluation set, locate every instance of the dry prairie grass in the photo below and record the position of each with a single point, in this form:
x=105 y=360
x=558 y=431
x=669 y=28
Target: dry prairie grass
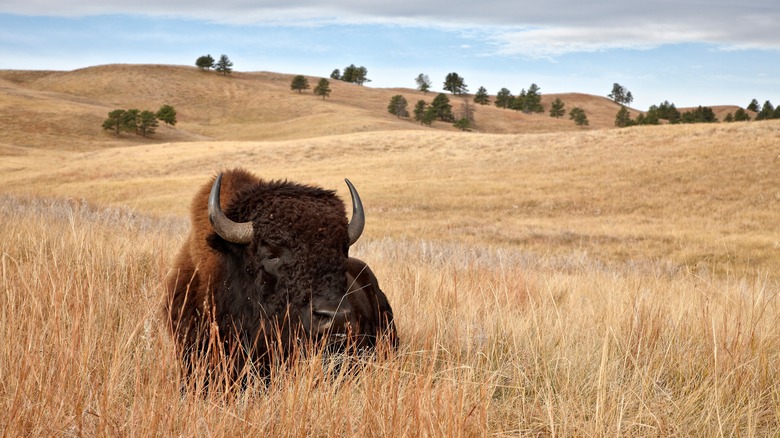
x=585 y=282
x=690 y=197
x=494 y=342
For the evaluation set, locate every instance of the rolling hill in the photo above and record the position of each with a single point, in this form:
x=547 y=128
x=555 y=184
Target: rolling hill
x=44 y=107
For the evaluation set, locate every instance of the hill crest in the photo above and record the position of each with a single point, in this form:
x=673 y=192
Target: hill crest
x=65 y=109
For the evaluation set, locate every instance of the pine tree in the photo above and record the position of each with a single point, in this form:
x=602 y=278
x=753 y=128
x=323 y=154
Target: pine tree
x=398 y=106
x=361 y=76
x=504 y=98
x=167 y=114
x=767 y=111
x=419 y=111
x=620 y=94
x=482 y=97
x=130 y=120
x=336 y=74
x=699 y=115
x=455 y=84
x=322 y=88
x=578 y=115
x=355 y=75
x=429 y=116
x=299 y=83
x=204 y=62
x=557 y=108
x=753 y=106
x=740 y=115
x=623 y=117
x=115 y=122
x=146 y=123
x=518 y=103
x=224 y=65
x=423 y=82
x=668 y=112
x=442 y=108
x=466 y=113
x=533 y=100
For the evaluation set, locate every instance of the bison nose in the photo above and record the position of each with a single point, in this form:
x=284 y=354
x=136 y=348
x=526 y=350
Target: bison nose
x=329 y=319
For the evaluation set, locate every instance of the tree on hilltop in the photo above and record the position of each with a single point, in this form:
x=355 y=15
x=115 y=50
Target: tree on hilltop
x=455 y=84
x=528 y=101
x=299 y=83
x=620 y=94
x=224 y=65
x=423 y=82
x=204 y=62
x=355 y=75
x=504 y=98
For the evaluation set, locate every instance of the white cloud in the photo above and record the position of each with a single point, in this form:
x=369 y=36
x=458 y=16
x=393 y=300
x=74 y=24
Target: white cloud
x=555 y=41
x=514 y=27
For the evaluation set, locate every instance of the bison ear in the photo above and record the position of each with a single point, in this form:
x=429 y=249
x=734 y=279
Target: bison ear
x=219 y=244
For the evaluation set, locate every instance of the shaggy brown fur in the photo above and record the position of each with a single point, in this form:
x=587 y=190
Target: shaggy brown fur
x=231 y=304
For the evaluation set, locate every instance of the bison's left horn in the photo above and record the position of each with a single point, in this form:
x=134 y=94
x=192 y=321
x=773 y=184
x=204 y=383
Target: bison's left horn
x=358 y=221
x=235 y=232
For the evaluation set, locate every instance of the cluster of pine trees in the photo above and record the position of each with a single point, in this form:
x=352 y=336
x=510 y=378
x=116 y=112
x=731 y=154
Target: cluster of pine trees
x=206 y=62
x=670 y=114
x=764 y=112
x=351 y=74
x=300 y=83
x=143 y=123
x=527 y=101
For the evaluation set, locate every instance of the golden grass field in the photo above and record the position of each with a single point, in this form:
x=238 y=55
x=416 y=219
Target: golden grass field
x=547 y=280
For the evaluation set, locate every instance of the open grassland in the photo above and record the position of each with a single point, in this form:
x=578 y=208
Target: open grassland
x=574 y=283
x=493 y=342
x=685 y=197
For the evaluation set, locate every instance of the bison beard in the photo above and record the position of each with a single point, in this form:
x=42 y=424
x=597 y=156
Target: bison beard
x=265 y=275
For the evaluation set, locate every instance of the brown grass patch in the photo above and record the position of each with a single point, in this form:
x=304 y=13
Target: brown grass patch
x=493 y=342
x=587 y=282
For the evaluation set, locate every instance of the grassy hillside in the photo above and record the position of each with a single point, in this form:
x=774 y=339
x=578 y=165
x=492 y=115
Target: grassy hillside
x=547 y=280
x=64 y=110
x=689 y=195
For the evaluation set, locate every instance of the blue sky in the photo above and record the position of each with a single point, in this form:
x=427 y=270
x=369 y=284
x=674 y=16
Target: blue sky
x=688 y=52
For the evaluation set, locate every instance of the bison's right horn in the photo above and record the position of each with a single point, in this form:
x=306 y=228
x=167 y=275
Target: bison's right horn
x=235 y=232
x=358 y=221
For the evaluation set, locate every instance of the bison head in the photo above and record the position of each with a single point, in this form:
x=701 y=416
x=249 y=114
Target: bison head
x=284 y=251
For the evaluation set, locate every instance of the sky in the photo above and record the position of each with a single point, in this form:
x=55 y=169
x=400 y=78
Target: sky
x=686 y=52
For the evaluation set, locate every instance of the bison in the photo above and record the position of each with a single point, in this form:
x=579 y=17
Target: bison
x=265 y=273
